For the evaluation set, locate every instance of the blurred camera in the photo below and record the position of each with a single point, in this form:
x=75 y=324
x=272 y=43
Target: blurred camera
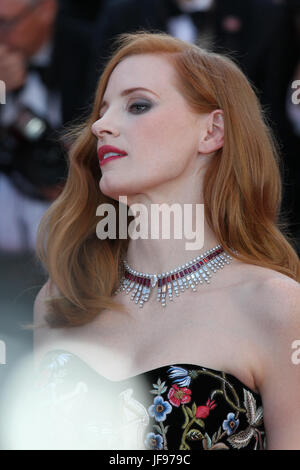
x=32 y=154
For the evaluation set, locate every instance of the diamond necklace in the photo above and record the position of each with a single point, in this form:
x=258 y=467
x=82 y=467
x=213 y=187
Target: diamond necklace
x=188 y=275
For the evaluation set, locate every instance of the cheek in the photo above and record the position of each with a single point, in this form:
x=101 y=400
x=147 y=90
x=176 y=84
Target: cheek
x=168 y=143
x=163 y=134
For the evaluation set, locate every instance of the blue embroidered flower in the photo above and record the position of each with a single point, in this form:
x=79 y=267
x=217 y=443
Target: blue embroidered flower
x=230 y=424
x=159 y=409
x=182 y=376
x=154 y=441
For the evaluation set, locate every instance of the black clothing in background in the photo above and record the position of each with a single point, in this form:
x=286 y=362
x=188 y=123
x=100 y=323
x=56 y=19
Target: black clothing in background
x=73 y=39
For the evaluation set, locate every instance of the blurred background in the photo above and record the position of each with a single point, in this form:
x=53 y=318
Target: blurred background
x=51 y=55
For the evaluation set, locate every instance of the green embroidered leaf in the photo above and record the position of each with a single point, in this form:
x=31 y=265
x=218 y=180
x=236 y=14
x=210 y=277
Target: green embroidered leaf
x=155 y=386
x=166 y=428
x=157 y=428
x=200 y=422
x=207 y=441
x=190 y=413
x=163 y=429
x=186 y=417
x=194 y=408
x=155 y=392
x=194 y=435
x=217 y=435
x=163 y=390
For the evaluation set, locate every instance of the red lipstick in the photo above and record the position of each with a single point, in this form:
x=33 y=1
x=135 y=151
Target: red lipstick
x=106 y=149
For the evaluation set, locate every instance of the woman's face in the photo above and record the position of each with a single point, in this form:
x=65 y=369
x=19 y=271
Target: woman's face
x=154 y=126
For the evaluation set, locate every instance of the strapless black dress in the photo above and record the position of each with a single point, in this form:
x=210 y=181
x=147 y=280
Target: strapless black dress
x=174 y=407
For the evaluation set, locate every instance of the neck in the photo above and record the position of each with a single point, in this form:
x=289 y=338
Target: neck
x=156 y=256
x=189 y=234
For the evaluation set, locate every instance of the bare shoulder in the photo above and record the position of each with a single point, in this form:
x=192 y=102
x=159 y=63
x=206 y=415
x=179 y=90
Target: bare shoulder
x=269 y=300
x=39 y=308
x=278 y=294
x=267 y=291
x=272 y=304
x=277 y=333
x=47 y=291
x=43 y=335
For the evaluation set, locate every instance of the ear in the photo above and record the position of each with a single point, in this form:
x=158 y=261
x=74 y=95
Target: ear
x=212 y=135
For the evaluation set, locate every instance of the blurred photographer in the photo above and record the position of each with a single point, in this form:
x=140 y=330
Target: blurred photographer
x=32 y=160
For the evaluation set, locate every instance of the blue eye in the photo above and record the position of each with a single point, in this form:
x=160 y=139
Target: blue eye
x=138 y=105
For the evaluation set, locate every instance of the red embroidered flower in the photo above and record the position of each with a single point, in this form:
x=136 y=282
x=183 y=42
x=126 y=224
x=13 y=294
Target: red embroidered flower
x=178 y=395
x=203 y=411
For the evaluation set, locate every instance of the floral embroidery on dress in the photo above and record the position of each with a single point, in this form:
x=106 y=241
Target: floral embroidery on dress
x=182 y=407
x=177 y=393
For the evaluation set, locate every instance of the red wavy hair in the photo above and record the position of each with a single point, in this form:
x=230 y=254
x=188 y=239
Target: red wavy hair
x=242 y=186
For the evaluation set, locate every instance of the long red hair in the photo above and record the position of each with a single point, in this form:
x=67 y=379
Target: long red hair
x=242 y=186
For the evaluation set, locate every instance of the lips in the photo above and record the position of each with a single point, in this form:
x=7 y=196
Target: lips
x=107 y=149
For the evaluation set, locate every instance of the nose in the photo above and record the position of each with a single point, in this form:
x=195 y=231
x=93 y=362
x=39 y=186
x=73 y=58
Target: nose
x=100 y=127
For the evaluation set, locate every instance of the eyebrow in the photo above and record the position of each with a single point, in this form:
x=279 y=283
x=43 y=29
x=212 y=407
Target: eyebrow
x=128 y=91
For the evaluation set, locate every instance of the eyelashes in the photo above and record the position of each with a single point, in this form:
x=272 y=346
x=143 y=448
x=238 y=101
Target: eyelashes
x=137 y=107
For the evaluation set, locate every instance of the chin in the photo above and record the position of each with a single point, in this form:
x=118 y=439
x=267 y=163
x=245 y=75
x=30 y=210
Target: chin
x=114 y=191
